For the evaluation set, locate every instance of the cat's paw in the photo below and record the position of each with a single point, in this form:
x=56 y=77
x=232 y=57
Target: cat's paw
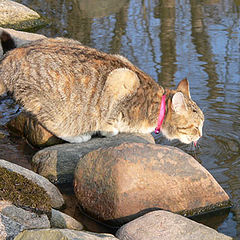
x=112 y=133
x=120 y=83
x=76 y=139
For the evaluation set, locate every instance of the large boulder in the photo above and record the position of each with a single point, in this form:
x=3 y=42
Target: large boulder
x=161 y=225
x=118 y=184
x=18 y=16
x=66 y=234
x=26 y=188
x=57 y=163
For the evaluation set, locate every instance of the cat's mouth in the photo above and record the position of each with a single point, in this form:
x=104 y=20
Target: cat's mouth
x=189 y=140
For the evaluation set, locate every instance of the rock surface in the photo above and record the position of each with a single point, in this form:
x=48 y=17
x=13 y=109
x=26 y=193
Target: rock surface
x=13 y=220
x=29 y=219
x=33 y=131
x=62 y=234
x=9 y=228
x=16 y=15
x=163 y=225
x=56 y=198
x=62 y=220
x=57 y=163
x=120 y=183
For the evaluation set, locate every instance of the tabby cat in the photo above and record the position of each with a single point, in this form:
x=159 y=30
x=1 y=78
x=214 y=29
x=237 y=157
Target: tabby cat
x=75 y=91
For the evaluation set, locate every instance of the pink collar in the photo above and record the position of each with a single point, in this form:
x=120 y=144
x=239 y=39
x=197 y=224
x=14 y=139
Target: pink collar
x=161 y=115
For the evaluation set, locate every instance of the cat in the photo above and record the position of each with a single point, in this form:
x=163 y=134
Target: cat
x=75 y=91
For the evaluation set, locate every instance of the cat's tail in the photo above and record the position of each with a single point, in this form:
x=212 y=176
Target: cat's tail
x=7 y=44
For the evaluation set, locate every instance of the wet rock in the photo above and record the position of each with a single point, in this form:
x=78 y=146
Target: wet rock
x=160 y=225
x=62 y=220
x=57 y=163
x=66 y=234
x=18 y=16
x=120 y=183
x=14 y=220
x=26 y=188
x=33 y=131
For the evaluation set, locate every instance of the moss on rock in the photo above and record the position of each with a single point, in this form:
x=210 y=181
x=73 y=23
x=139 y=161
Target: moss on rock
x=17 y=16
x=23 y=192
x=28 y=25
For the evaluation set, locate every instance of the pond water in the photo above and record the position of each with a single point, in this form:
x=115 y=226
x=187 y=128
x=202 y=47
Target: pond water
x=169 y=40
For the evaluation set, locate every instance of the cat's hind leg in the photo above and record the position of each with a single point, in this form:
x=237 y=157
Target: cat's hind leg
x=120 y=83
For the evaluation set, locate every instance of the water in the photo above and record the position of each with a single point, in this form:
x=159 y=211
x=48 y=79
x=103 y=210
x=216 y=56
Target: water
x=169 y=40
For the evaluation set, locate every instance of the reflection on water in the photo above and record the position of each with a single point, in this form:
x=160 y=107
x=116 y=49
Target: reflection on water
x=171 y=40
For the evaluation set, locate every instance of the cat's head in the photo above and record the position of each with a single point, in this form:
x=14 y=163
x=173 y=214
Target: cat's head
x=184 y=119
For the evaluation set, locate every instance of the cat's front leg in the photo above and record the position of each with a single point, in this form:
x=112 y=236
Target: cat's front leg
x=76 y=139
x=110 y=133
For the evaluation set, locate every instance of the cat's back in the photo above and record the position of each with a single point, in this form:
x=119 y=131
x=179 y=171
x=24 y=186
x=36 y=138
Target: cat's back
x=53 y=76
x=58 y=63
x=66 y=51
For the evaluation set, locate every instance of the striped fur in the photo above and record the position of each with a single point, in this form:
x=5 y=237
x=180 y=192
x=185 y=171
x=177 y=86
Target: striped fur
x=75 y=91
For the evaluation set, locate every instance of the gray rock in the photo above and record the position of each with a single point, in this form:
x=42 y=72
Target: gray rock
x=62 y=234
x=29 y=220
x=17 y=15
x=19 y=38
x=57 y=163
x=52 y=191
x=9 y=228
x=62 y=220
x=13 y=220
x=163 y=225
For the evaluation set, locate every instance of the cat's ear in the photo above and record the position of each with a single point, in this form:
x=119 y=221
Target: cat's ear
x=7 y=42
x=183 y=86
x=121 y=82
x=178 y=103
